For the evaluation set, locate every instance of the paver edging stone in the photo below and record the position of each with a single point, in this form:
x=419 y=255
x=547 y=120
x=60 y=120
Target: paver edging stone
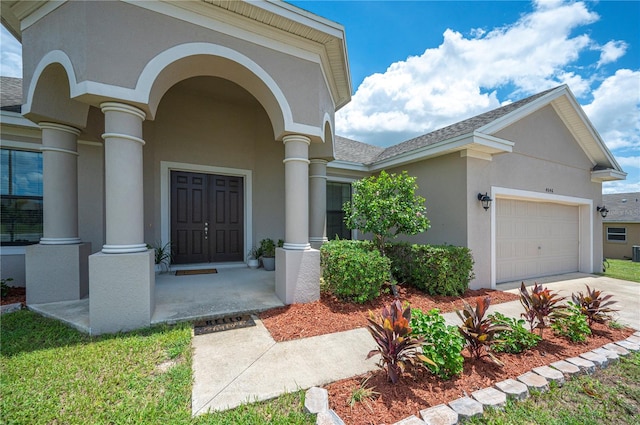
x=515 y=390
x=599 y=360
x=550 y=374
x=612 y=356
x=329 y=417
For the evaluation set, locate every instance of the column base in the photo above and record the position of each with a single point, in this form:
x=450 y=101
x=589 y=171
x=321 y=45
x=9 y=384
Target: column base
x=297 y=275
x=317 y=242
x=122 y=291
x=57 y=272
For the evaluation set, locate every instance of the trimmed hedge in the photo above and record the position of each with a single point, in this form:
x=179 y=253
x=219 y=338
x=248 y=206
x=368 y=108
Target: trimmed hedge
x=354 y=270
x=435 y=269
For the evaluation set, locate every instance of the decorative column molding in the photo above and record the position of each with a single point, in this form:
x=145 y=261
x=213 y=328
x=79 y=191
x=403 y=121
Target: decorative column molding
x=317 y=202
x=296 y=175
x=59 y=184
x=123 y=178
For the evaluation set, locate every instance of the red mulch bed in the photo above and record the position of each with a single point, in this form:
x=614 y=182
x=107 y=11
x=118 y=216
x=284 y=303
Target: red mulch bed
x=422 y=390
x=329 y=315
x=15 y=295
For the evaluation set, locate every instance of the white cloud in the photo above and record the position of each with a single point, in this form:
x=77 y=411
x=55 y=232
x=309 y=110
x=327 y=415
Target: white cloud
x=615 y=109
x=461 y=77
x=10 y=55
x=612 y=51
x=621 y=186
x=629 y=161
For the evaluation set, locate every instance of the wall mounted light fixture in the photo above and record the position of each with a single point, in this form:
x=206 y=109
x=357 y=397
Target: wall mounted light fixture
x=603 y=211
x=485 y=199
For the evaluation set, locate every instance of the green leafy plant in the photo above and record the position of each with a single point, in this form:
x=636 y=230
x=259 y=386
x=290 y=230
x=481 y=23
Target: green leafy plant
x=387 y=206
x=162 y=254
x=434 y=269
x=573 y=325
x=4 y=288
x=541 y=306
x=594 y=306
x=443 y=344
x=267 y=248
x=479 y=331
x=516 y=339
x=363 y=394
x=353 y=270
x=398 y=349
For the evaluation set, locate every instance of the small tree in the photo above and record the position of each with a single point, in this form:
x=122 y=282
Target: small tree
x=387 y=206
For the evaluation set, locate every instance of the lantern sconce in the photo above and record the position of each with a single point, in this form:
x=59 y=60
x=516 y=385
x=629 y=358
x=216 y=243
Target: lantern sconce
x=485 y=199
x=603 y=211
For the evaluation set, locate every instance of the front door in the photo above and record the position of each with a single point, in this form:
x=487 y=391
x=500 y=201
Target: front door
x=207 y=218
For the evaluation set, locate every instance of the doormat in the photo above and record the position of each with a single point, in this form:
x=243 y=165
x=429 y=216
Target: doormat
x=190 y=272
x=222 y=324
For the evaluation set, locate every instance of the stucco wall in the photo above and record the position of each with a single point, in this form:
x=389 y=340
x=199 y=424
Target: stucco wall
x=441 y=181
x=91 y=195
x=112 y=42
x=197 y=129
x=621 y=250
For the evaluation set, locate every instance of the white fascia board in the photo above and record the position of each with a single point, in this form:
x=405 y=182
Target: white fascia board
x=302 y=16
x=492 y=143
x=592 y=131
x=437 y=149
x=504 y=121
x=600 y=176
x=16 y=119
x=348 y=165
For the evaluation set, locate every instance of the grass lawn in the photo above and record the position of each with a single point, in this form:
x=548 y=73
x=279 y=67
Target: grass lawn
x=623 y=269
x=50 y=373
x=611 y=396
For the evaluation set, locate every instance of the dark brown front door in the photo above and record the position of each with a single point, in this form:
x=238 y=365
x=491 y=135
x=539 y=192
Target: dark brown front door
x=207 y=222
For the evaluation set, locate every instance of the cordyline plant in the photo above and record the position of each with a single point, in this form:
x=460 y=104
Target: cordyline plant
x=387 y=206
x=541 y=306
x=594 y=306
x=397 y=348
x=479 y=331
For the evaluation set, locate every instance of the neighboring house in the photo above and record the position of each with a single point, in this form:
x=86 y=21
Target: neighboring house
x=621 y=226
x=211 y=125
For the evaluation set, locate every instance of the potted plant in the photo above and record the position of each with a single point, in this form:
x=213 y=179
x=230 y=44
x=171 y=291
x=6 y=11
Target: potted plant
x=162 y=256
x=268 y=249
x=253 y=256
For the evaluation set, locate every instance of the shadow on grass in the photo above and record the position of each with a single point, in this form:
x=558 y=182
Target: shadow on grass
x=25 y=331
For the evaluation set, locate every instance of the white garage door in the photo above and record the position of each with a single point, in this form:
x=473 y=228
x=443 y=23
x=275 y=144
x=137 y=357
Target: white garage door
x=535 y=239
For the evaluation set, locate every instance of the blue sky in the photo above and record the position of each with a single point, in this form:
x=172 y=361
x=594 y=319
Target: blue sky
x=417 y=66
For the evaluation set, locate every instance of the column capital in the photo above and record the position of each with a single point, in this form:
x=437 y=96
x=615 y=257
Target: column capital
x=122 y=107
x=296 y=138
x=59 y=127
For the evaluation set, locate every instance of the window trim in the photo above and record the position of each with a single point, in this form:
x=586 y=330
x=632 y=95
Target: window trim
x=623 y=234
x=22 y=147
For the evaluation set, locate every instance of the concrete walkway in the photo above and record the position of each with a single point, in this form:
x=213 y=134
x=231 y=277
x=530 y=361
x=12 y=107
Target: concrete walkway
x=247 y=365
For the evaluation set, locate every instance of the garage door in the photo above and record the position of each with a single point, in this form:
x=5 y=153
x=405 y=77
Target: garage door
x=535 y=239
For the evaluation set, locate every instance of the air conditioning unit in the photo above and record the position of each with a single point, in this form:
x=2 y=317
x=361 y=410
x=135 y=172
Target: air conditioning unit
x=635 y=254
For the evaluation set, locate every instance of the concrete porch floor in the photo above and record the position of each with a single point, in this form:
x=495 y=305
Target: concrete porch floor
x=234 y=289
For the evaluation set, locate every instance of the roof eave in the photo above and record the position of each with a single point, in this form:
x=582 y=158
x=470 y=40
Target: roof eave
x=607 y=175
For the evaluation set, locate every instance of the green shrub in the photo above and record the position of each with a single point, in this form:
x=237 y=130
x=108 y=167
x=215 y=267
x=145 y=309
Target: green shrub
x=572 y=325
x=515 y=340
x=434 y=269
x=443 y=344
x=354 y=270
x=4 y=288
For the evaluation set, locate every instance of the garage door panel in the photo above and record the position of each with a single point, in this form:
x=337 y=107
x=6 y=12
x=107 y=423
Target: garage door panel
x=535 y=239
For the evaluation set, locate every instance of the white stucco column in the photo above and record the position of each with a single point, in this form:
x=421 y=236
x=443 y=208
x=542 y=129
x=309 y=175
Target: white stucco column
x=56 y=269
x=123 y=178
x=297 y=264
x=60 y=184
x=296 y=176
x=317 y=202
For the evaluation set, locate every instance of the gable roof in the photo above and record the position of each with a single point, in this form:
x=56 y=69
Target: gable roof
x=623 y=207
x=476 y=134
x=352 y=151
x=10 y=94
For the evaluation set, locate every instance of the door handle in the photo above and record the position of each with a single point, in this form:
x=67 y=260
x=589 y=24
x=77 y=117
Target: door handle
x=206 y=230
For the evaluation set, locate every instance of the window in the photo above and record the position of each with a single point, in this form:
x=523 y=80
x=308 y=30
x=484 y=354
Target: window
x=20 y=197
x=616 y=234
x=337 y=195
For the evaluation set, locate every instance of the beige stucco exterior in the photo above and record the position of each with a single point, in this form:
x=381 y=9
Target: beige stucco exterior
x=618 y=249
x=130 y=92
